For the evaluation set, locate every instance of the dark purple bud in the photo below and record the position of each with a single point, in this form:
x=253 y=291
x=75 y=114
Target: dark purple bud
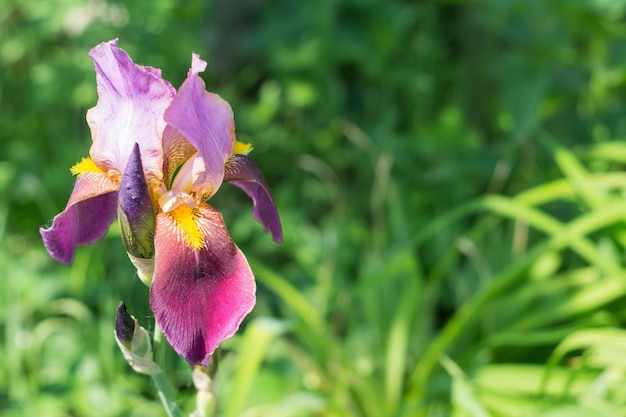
x=124 y=325
x=136 y=214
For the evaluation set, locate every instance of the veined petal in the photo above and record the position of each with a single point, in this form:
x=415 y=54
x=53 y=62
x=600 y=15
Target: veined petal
x=199 y=296
x=131 y=103
x=207 y=121
x=89 y=213
x=241 y=171
x=176 y=150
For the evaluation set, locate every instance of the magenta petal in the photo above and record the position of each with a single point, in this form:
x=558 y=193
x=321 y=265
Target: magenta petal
x=131 y=103
x=207 y=121
x=199 y=297
x=243 y=172
x=89 y=213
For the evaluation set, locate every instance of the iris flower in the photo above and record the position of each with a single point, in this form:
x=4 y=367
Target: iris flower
x=157 y=156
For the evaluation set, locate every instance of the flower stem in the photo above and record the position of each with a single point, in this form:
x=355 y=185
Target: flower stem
x=158 y=346
x=163 y=386
x=166 y=395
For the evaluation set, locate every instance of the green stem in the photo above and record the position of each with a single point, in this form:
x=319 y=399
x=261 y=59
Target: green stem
x=166 y=395
x=158 y=346
x=163 y=386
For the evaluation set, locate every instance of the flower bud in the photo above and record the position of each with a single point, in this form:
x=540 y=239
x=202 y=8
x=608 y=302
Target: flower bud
x=124 y=325
x=134 y=342
x=136 y=215
x=205 y=399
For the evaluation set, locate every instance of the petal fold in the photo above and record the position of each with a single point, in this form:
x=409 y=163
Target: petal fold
x=241 y=171
x=131 y=103
x=207 y=121
x=89 y=212
x=176 y=150
x=199 y=296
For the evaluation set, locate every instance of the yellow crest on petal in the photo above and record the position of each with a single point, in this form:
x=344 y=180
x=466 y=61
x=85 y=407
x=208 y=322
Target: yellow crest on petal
x=187 y=223
x=242 y=148
x=84 y=166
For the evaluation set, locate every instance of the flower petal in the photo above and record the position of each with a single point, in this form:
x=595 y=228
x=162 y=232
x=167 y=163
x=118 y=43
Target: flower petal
x=199 y=296
x=136 y=215
x=176 y=150
x=89 y=213
x=243 y=172
x=207 y=121
x=131 y=103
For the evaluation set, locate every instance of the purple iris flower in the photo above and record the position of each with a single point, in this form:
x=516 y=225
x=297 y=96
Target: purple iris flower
x=157 y=156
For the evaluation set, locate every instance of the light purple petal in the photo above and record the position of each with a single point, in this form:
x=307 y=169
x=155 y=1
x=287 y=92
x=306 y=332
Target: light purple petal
x=241 y=171
x=86 y=218
x=207 y=121
x=199 y=297
x=131 y=103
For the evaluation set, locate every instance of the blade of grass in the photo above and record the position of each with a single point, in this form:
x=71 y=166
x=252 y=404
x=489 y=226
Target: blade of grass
x=251 y=351
x=560 y=237
x=463 y=395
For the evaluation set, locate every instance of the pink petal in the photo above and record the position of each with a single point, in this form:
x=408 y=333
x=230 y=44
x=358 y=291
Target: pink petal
x=89 y=212
x=207 y=121
x=131 y=103
x=242 y=171
x=199 y=297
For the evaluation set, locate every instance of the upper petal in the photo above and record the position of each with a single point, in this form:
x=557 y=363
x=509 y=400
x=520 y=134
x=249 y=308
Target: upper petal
x=207 y=121
x=243 y=172
x=131 y=103
x=199 y=296
x=89 y=212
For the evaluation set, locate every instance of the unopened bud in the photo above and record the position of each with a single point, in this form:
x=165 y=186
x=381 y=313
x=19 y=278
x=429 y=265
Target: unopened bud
x=136 y=215
x=124 y=325
x=134 y=342
x=205 y=399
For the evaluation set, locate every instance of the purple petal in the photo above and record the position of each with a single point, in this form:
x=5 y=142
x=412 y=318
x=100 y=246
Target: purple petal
x=131 y=103
x=207 y=121
x=243 y=172
x=136 y=215
x=86 y=218
x=199 y=297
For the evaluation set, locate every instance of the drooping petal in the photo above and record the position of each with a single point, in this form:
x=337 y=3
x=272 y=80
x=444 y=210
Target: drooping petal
x=241 y=171
x=136 y=214
x=89 y=213
x=199 y=296
x=131 y=103
x=207 y=121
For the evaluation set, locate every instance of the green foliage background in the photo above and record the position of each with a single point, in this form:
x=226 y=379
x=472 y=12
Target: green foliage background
x=450 y=180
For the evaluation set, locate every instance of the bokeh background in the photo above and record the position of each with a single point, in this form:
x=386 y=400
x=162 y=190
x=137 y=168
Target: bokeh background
x=450 y=176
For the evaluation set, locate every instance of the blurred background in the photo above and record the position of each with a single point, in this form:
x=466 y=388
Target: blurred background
x=450 y=177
